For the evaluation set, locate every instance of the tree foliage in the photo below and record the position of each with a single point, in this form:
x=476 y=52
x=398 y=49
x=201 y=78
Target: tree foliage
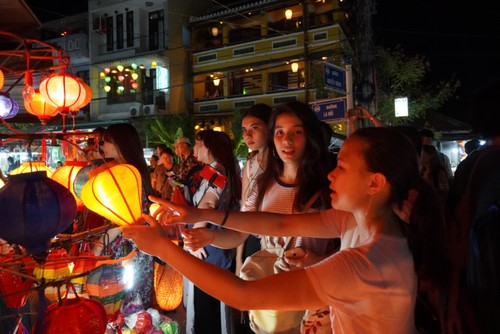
x=399 y=75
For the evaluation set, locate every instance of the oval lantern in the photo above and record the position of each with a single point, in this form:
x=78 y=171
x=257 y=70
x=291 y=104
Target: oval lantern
x=15 y=288
x=56 y=267
x=168 y=287
x=83 y=175
x=84 y=98
x=107 y=285
x=38 y=209
x=39 y=107
x=8 y=106
x=115 y=192
x=32 y=166
x=66 y=176
x=62 y=90
x=74 y=315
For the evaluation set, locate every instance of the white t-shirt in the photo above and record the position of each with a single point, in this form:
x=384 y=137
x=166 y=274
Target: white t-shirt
x=370 y=285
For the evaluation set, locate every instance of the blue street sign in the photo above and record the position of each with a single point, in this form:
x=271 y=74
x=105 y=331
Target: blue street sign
x=334 y=78
x=329 y=110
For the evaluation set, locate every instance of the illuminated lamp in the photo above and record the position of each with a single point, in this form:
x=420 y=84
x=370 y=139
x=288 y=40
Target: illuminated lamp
x=66 y=176
x=216 y=82
x=295 y=67
x=107 y=88
x=168 y=287
x=135 y=76
x=40 y=207
x=114 y=192
x=107 y=70
x=2 y=79
x=288 y=14
x=8 y=106
x=39 y=107
x=119 y=68
x=121 y=78
x=62 y=90
x=135 y=85
x=84 y=98
x=32 y=166
x=215 y=31
x=2 y=183
x=134 y=66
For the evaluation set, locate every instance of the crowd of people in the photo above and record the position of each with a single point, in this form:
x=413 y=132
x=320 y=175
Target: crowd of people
x=381 y=238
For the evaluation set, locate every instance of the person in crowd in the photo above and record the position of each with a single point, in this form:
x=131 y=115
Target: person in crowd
x=164 y=174
x=392 y=236
x=433 y=171
x=472 y=145
x=122 y=143
x=474 y=220
x=160 y=148
x=427 y=137
x=153 y=163
x=12 y=164
x=189 y=167
x=219 y=189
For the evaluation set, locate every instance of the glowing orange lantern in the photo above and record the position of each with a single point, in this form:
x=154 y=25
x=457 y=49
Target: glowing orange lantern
x=32 y=166
x=66 y=176
x=39 y=107
x=62 y=90
x=114 y=192
x=168 y=287
x=84 y=98
x=2 y=79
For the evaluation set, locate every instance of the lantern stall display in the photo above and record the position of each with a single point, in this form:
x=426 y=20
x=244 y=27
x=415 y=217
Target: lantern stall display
x=57 y=267
x=39 y=209
x=74 y=315
x=114 y=191
x=107 y=285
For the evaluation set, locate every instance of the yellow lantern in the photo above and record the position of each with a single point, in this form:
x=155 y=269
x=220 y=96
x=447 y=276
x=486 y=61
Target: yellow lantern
x=114 y=192
x=66 y=176
x=32 y=166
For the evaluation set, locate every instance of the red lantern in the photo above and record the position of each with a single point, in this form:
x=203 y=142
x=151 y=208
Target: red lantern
x=15 y=288
x=74 y=315
x=66 y=176
x=38 y=209
x=106 y=284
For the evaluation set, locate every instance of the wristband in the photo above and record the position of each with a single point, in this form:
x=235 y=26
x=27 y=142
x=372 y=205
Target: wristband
x=226 y=214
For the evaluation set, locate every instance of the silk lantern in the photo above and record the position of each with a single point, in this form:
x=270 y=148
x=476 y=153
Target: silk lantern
x=107 y=285
x=168 y=286
x=36 y=209
x=37 y=105
x=8 y=106
x=62 y=90
x=15 y=288
x=57 y=267
x=32 y=166
x=83 y=175
x=74 y=315
x=115 y=192
x=66 y=176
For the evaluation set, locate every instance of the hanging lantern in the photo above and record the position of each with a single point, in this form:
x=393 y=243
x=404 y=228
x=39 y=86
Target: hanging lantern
x=66 y=176
x=38 y=209
x=106 y=284
x=62 y=90
x=2 y=79
x=56 y=267
x=15 y=288
x=82 y=176
x=84 y=98
x=115 y=192
x=32 y=166
x=74 y=315
x=8 y=106
x=168 y=287
x=38 y=106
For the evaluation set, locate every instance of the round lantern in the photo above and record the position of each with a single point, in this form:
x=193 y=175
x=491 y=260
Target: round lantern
x=38 y=106
x=32 y=166
x=168 y=287
x=15 y=288
x=115 y=192
x=74 y=315
x=38 y=209
x=56 y=267
x=106 y=284
x=62 y=90
x=82 y=176
x=66 y=176
x=84 y=98
x=8 y=106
